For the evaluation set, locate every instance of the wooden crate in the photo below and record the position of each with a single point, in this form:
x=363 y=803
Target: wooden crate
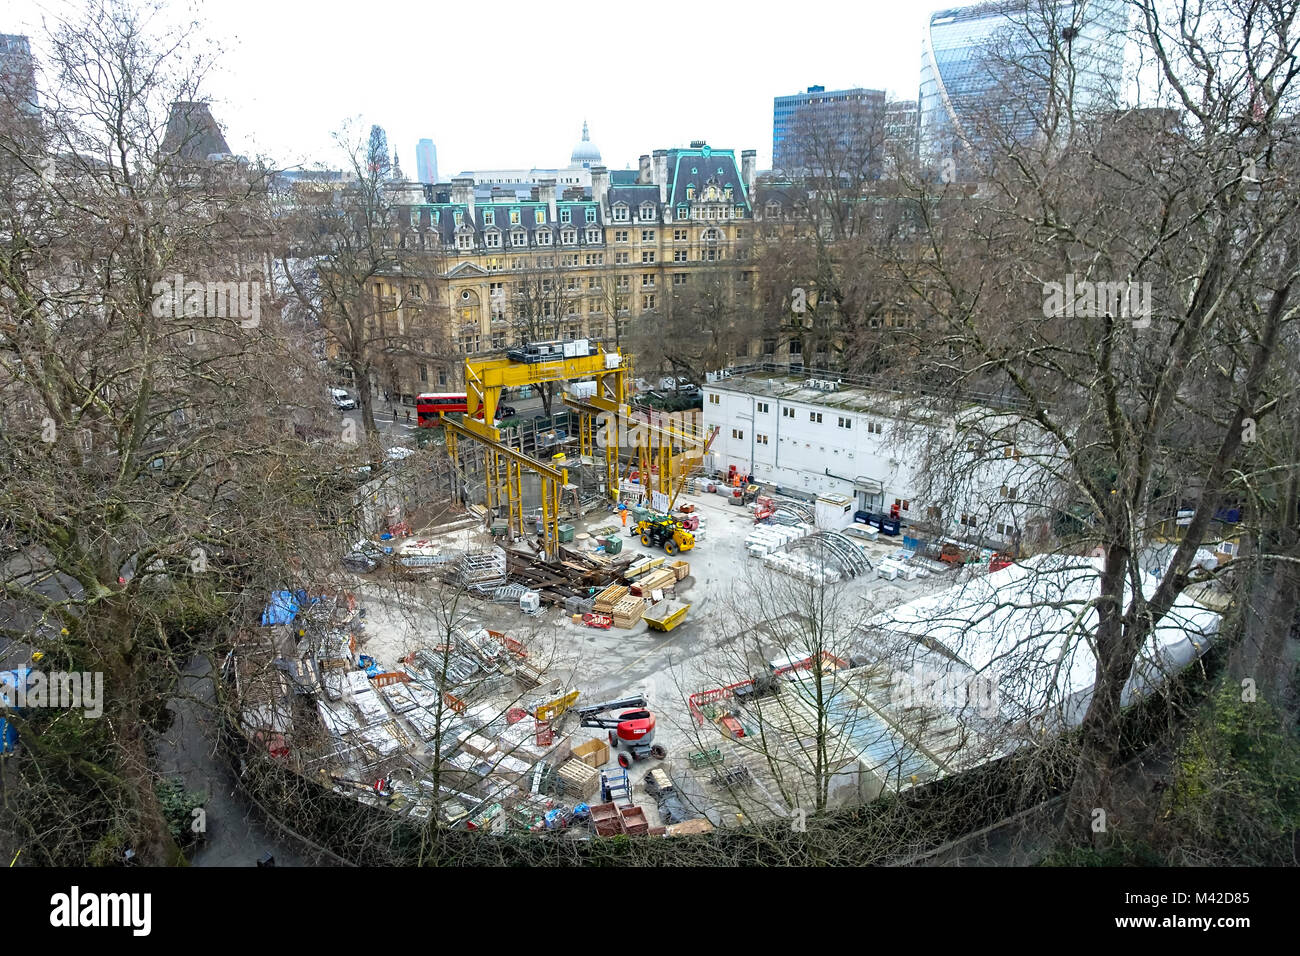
x=606 y=819
x=578 y=780
x=682 y=569
x=634 y=821
x=594 y=753
x=627 y=612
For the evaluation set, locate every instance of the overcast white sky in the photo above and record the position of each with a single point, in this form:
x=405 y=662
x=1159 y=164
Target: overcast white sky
x=508 y=84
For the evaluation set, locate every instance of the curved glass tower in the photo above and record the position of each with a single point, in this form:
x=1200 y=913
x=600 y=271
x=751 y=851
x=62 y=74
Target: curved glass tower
x=983 y=70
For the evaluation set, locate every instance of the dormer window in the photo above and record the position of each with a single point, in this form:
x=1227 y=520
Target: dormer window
x=772 y=210
x=620 y=212
x=543 y=237
x=566 y=214
x=647 y=210
x=726 y=191
x=514 y=217
x=460 y=218
x=539 y=216
x=518 y=238
x=690 y=192
x=415 y=218
x=492 y=239
x=568 y=236
x=683 y=212
x=593 y=236
x=489 y=217
x=591 y=215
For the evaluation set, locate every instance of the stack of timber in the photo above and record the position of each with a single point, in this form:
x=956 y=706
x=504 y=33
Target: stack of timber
x=559 y=581
x=656 y=580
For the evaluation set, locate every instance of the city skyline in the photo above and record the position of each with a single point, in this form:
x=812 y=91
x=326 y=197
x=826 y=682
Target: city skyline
x=546 y=113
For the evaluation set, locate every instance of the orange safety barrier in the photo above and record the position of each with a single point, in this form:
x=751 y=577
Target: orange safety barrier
x=391 y=677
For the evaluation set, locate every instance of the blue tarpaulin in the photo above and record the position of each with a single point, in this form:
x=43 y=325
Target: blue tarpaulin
x=281 y=610
x=10 y=681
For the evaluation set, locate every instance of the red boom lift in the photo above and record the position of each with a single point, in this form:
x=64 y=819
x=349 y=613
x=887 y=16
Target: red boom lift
x=634 y=728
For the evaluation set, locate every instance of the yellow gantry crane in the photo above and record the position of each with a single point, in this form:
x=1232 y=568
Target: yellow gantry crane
x=504 y=466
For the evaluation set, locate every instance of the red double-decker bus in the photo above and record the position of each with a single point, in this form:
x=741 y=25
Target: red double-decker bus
x=430 y=406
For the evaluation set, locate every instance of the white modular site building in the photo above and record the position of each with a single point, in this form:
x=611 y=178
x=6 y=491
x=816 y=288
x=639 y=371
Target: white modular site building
x=967 y=470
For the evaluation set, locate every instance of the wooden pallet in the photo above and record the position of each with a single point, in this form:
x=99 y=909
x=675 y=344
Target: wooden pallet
x=609 y=597
x=627 y=612
x=578 y=779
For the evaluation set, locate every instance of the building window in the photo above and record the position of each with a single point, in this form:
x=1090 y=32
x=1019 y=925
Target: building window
x=566 y=214
x=679 y=278
x=690 y=193
x=1009 y=493
x=620 y=235
x=715 y=398
x=679 y=255
x=591 y=217
x=514 y=217
x=569 y=260
x=763 y=407
x=647 y=303
x=709 y=255
x=621 y=258
x=647 y=280
x=543 y=237
x=787 y=412
x=683 y=213
x=624 y=283
x=760 y=439
x=539 y=216
x=593 y=236
x=620 y=213
x=874 y=428
x=737 y=434
x=647 y=211
x=647 y=257
x=933 y=513
x=595 y=258
x=460 y=218
x=492 y=240
x=489 y=217
x=569 y=236
x=815 y=417
x=647 y=235
x=679 y=235
x=518 y=238
x=464 y=241
x=424 y=373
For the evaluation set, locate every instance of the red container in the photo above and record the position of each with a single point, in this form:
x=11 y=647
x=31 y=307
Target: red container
x=634 y=821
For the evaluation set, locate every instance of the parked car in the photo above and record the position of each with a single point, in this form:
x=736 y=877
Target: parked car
x=341 y=399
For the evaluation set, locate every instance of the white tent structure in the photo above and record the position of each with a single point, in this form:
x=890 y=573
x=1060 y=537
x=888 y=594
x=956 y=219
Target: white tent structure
x=1026 y=632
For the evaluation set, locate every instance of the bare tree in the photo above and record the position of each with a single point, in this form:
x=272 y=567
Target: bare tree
x=145 y=379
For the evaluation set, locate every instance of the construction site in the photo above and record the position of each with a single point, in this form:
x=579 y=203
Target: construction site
x=604 y=639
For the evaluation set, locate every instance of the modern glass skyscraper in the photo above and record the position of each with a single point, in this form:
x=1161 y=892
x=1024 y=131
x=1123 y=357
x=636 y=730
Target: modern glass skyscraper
x=426 y=161
x=17 y=73
x=983 y=70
